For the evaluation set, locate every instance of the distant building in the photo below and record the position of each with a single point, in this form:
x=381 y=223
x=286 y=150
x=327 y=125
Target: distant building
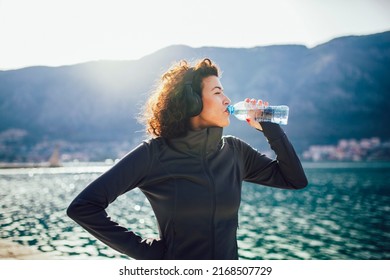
x=350 y=150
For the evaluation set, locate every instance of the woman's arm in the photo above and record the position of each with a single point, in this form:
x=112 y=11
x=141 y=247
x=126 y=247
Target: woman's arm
x=284 y=172
x=88 y=208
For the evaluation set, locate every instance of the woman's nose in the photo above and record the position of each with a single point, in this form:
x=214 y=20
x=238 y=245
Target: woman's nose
x=226 y=101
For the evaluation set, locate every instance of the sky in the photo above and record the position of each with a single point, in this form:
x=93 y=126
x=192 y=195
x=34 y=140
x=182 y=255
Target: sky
x=64 y=32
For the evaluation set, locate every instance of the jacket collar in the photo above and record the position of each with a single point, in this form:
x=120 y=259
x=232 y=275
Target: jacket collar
x=198 y=143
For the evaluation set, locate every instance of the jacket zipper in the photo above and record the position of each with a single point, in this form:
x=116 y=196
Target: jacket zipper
x=214 y=203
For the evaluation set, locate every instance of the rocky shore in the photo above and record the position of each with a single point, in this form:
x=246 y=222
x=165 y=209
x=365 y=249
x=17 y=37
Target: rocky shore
x=10 y=250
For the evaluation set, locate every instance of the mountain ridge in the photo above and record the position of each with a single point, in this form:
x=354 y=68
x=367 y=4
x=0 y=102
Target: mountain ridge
x=339 y=89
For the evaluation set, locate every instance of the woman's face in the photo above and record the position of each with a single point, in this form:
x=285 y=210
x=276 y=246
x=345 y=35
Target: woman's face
x=214 y=111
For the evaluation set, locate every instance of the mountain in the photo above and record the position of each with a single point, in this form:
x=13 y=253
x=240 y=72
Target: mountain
x=340 y=89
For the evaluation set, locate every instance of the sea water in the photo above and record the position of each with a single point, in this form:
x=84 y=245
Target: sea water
x=342 y=214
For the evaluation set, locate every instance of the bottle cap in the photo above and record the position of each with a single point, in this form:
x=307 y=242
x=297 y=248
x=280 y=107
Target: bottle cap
x=230 y=109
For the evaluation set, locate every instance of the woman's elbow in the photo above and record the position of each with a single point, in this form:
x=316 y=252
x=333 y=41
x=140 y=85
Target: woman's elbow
x=301 y=184
x=72 y=211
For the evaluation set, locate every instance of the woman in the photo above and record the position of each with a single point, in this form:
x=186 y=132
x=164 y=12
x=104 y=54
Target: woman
x=189 y=172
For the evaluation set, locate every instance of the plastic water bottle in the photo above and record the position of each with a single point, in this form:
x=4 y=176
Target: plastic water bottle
x=275 y=114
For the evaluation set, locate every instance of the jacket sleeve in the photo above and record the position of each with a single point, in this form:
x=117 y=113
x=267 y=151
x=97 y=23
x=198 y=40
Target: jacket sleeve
x=88 y=208
x=283 y=172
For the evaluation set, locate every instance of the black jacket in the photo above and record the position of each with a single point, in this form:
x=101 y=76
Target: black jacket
x=194 y=187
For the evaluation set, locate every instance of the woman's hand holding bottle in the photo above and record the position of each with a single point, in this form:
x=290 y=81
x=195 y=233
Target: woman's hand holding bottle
x=254 y=114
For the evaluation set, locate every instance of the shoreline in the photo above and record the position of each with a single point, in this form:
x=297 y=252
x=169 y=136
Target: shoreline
x=10 y=250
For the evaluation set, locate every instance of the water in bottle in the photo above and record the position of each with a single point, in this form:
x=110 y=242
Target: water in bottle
x=275 y=114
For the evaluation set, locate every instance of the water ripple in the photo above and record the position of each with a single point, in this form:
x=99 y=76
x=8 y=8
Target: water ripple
x=342 y=214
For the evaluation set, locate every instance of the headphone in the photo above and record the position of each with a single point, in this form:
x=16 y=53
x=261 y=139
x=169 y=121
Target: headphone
x=192 y=99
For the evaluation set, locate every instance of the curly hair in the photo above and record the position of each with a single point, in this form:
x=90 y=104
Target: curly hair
x=165 y=112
